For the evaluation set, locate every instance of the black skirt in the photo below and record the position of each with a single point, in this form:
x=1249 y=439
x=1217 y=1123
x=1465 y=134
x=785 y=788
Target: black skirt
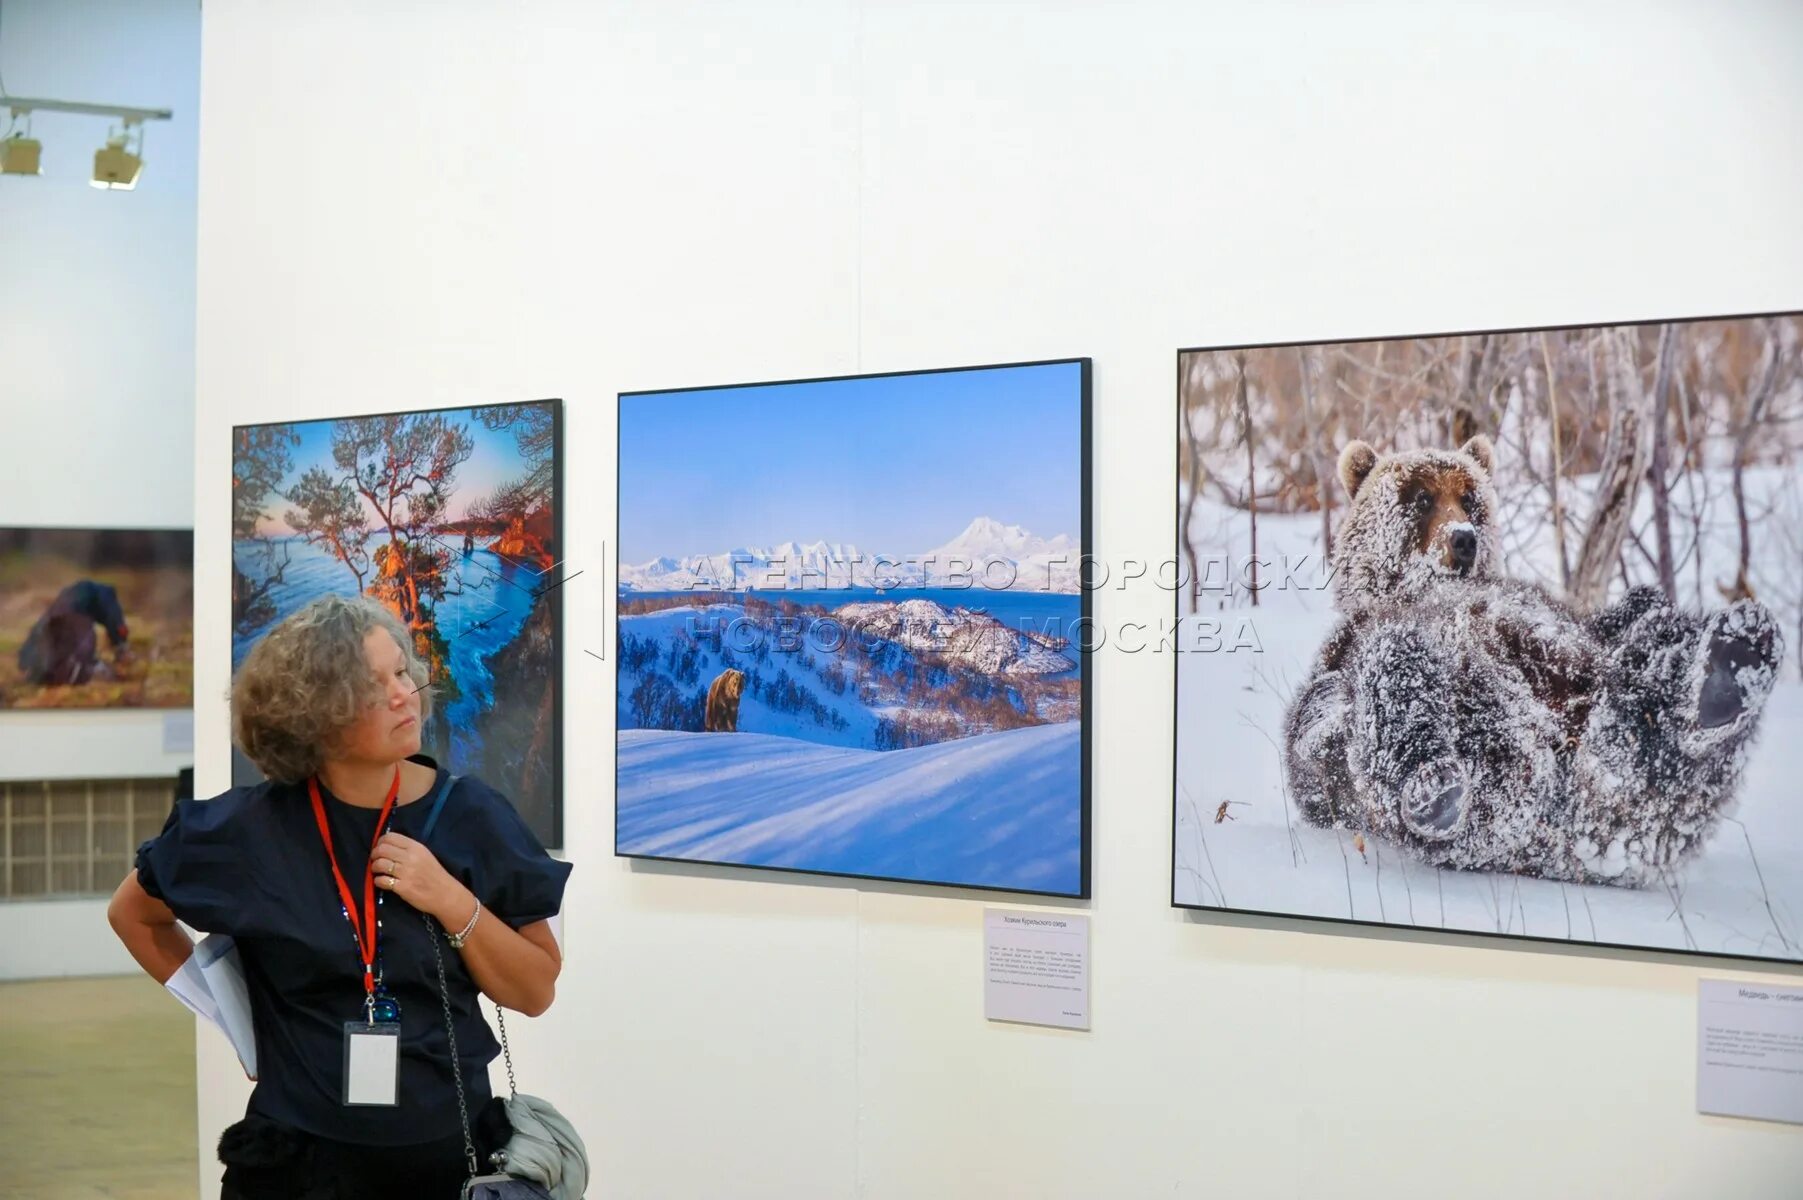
x=267 y=1160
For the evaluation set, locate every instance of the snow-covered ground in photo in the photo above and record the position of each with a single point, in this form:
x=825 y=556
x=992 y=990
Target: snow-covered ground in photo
x=808 y=659
x=1262 y=856
x=1742 y=895
x=998 y=810
x=755 y=716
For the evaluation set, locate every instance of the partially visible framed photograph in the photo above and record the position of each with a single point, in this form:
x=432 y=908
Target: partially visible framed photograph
x=96 y=618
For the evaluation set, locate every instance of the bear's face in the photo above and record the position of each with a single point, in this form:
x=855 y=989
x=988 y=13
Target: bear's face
x=1417 y=518
x=734 y=683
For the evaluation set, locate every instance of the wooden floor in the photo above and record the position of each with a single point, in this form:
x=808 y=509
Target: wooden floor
x=96 y=1091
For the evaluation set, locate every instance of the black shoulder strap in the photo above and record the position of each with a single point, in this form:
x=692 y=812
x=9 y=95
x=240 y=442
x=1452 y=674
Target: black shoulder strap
x=444 y=792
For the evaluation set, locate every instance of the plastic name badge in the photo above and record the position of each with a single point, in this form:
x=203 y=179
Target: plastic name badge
x=372 y=1063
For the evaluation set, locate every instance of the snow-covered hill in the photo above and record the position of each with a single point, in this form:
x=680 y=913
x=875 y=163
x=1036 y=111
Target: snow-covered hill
x=987 y=554
x=998 y=810
x=973 y=640
x=813 y=710
x=877 y=675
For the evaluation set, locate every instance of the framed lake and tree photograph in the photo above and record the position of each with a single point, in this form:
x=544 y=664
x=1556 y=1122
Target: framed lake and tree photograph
x=451 y=519
x=852 y=630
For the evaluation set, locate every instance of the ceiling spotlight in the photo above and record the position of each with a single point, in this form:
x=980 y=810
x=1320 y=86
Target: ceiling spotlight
x=19 y=155
x=19 y=151
x=115 y=167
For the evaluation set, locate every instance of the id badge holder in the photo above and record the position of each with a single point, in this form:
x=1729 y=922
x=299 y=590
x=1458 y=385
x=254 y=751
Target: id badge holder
x=372 y=1063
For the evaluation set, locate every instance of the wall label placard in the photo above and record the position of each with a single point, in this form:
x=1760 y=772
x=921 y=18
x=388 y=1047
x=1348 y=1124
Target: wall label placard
x=1750 y=1050
x=1036 y=967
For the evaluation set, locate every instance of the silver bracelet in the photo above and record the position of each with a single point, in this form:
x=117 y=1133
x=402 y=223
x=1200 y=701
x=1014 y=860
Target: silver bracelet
x=456 y=939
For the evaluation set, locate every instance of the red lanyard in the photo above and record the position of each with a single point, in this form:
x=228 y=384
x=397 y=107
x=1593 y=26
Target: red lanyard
x=366 y=928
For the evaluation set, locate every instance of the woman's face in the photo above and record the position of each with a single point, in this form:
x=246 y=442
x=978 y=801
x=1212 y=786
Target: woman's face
x=388 y=730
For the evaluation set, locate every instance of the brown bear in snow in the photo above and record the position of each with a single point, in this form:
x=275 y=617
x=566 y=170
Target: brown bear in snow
x=1480 y=723
x=722 y=712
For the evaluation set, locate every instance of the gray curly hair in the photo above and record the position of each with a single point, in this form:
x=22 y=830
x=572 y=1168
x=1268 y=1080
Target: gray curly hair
x=307 y=681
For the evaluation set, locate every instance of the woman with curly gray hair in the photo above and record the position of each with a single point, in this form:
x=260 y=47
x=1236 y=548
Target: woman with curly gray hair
x=323 y=877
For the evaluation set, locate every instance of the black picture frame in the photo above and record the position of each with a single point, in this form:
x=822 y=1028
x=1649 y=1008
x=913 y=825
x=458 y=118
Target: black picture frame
x=1327 y=923
x=1084 y=623
x=550 y=832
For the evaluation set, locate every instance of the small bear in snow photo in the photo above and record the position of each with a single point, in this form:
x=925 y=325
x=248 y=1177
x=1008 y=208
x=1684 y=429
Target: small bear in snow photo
x=722 y=712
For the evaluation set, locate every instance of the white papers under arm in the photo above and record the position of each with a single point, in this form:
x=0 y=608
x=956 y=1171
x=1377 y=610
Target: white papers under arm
x=225 y=979
x=211 y=984
x=190 y=987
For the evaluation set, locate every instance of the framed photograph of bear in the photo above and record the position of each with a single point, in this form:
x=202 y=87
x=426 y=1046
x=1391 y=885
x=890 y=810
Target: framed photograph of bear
x=1497 y=632
x=451 y=518
x=850 y=627
x=96 y=618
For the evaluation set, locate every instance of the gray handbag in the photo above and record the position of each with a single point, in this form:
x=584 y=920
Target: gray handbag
x=545 y=1159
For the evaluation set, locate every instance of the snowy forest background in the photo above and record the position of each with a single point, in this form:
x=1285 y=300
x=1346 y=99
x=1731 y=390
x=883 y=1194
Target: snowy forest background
x=1691 y=431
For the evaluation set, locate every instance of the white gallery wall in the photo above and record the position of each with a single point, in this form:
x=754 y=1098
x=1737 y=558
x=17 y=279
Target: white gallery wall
x=414 y=206
x=96 y=370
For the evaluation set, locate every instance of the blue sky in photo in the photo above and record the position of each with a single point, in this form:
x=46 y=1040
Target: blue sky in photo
x=895 y=465
x=494 y=460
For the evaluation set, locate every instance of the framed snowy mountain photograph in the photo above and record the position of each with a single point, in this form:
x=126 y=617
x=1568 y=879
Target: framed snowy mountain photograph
x=1497 y=632
x=850 y=626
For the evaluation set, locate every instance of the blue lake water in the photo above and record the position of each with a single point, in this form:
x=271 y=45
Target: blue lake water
x=492 y=601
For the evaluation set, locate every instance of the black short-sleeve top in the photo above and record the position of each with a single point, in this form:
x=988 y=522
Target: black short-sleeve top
x=249 y=863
